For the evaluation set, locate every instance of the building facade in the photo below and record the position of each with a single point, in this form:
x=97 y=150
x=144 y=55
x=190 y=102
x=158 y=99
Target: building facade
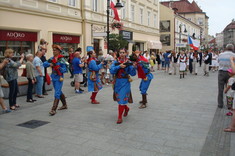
x=176 y=28
x=229 y=34
x=193 y=13
x=75 y=23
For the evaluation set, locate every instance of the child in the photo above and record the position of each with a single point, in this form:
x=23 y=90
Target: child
x=229 y=92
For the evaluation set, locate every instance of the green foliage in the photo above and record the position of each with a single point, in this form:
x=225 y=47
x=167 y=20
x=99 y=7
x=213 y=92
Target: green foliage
x=116 y=42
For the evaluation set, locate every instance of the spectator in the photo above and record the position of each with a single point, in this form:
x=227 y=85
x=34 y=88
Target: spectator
x=158 y=61
x=167 y=60
x=224 y=65
x=43 y=45
x=12 y=76
x=71 y=56
x=77 y=71
x=102 y=70
x=146 y=55
x=4 y=108
x=39 y=73
x=231 y=127
x=152 y=59
x=43 y=59
x=206 y=59
x=30 y=76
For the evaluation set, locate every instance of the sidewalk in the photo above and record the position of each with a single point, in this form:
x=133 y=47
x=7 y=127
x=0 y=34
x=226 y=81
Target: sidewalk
x=177 y=122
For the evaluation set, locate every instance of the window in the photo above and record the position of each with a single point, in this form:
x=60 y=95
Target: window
x=72 y=3
x=95 y=5
x=200 y=21
x=155 y=20
x=148 y=18
x=124 y=10
x=132 y=13
x=141 y=16
x=52 y=0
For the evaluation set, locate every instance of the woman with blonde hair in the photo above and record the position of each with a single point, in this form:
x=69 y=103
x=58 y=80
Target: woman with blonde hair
x=11 y=76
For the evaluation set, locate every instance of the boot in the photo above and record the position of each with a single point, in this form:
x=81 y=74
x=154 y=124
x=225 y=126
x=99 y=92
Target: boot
x=183 y=75
x=64 y=106
x=141 y=100
x=54 y=107
x=93 y=100
x=144 y=101
x=120 y=112
x=180 y=76
x=126 y=111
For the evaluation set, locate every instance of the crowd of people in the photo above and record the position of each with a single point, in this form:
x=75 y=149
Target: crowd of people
x=115 y=68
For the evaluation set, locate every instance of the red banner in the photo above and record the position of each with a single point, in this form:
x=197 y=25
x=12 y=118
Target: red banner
x=8 y=35
x=66 y=38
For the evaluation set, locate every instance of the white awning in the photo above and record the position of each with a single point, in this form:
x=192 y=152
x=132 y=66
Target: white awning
x=154 y=45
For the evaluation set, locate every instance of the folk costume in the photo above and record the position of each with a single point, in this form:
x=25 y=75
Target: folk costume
x=58 y=69
x=94 y=83
x=182 y=60
x=206 y=59
x=122 y=86
x=195 y=62
x=146 y=76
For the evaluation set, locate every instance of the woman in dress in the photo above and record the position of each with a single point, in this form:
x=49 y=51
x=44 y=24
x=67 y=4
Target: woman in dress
x=182 y=61
x=94 y=83
x=59 y=67
x=122 y=86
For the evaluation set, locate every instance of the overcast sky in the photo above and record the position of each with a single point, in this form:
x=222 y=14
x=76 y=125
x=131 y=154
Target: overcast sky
x=220 y=12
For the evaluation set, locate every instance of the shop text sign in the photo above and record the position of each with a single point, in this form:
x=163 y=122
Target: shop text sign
x=66 y=38
x=127 y=35
x=8 y=35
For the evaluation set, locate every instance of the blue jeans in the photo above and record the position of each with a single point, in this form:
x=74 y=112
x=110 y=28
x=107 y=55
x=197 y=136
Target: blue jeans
x=13 y=86
x=39 y=85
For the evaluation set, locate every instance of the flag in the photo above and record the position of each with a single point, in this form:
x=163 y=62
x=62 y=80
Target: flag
x=116 y=17
x=193 y=43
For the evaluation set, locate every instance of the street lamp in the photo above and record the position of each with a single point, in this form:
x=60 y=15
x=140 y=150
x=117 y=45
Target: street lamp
x=118 y=6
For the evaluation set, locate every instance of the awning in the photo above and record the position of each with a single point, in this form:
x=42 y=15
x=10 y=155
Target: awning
x=154 y=44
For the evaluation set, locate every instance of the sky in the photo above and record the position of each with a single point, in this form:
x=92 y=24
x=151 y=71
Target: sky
x=220 y=13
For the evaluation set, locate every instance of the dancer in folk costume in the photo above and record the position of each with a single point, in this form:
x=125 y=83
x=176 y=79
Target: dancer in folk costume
x=94 y=83
x=144 y=74
x=195 y=57
x=122 y=85
x=59 y=67
x=182 y=60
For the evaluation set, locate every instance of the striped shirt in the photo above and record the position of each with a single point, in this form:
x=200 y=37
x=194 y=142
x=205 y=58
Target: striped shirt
x=224 y=60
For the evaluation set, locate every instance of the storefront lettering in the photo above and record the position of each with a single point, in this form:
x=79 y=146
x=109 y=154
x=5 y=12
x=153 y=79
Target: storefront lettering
x=66 y=38
x=15 y=34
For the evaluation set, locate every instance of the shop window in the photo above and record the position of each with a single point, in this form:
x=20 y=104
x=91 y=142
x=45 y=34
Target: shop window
x=19 y=47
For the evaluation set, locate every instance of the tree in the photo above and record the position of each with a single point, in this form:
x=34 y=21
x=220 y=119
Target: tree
x=117 y=42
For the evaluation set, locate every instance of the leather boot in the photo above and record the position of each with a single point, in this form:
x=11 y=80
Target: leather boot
x=54 y=107
x=143 y=105
x=62 y=99
x=142 y=99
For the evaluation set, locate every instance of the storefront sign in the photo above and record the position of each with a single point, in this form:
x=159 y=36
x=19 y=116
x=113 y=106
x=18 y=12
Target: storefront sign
x=127 y=35
x=180 y=45
x=7 y=35
x=66 y=38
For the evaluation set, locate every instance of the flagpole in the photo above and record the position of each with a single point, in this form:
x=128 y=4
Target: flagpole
x=108 y=12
